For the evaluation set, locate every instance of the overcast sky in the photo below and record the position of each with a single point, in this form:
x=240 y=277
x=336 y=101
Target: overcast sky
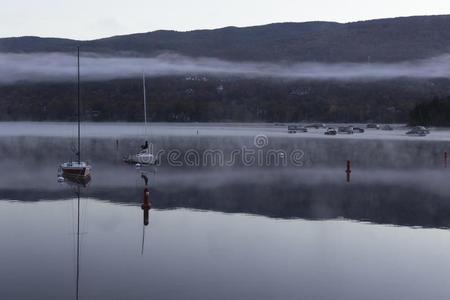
x=90 y=19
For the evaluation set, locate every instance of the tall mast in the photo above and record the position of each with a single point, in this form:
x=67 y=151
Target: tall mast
x=78 y=107
x=145 y=105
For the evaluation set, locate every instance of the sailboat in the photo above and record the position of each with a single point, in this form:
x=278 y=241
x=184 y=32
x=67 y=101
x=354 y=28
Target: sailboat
x=77 y=168
x=145 y=156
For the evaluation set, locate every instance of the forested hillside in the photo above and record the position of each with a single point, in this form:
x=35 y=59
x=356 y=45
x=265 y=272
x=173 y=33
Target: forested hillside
x=383 y=40
x=201 y=98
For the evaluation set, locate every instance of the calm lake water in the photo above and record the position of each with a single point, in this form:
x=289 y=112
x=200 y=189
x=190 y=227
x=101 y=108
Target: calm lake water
x=236 y=231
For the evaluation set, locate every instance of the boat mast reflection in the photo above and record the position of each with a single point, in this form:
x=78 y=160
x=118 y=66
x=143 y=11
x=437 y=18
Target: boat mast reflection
x=77 y=183
x=78 y=242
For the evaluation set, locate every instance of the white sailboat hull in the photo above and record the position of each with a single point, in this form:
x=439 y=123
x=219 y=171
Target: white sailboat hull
x=142 y=157
x=75 y=169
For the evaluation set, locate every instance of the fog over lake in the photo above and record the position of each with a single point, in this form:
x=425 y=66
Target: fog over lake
x=56 y=67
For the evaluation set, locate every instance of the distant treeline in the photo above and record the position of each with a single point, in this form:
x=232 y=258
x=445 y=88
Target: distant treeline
x=432 y=113
x=208 y=99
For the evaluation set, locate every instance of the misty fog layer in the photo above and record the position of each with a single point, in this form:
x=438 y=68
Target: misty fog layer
x=62 y=67
x=392 y=182
x=396 y=181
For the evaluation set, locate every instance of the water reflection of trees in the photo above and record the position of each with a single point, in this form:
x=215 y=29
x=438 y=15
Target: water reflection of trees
x=377 y=203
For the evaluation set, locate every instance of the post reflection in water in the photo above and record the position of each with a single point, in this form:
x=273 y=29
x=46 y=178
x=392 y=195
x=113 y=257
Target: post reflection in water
x=146 y=206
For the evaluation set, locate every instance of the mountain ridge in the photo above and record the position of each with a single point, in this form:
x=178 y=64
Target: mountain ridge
x=380 y=40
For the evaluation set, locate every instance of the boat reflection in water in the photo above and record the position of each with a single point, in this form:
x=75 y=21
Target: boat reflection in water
x=77 y=181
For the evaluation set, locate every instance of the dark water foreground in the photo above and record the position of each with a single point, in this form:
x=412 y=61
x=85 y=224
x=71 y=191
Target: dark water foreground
x=227 y=232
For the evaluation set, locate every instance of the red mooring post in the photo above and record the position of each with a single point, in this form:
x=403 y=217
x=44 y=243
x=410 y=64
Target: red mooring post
x=445 y=159
x=348 y=171
x=117 y=145
x=146 y=205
